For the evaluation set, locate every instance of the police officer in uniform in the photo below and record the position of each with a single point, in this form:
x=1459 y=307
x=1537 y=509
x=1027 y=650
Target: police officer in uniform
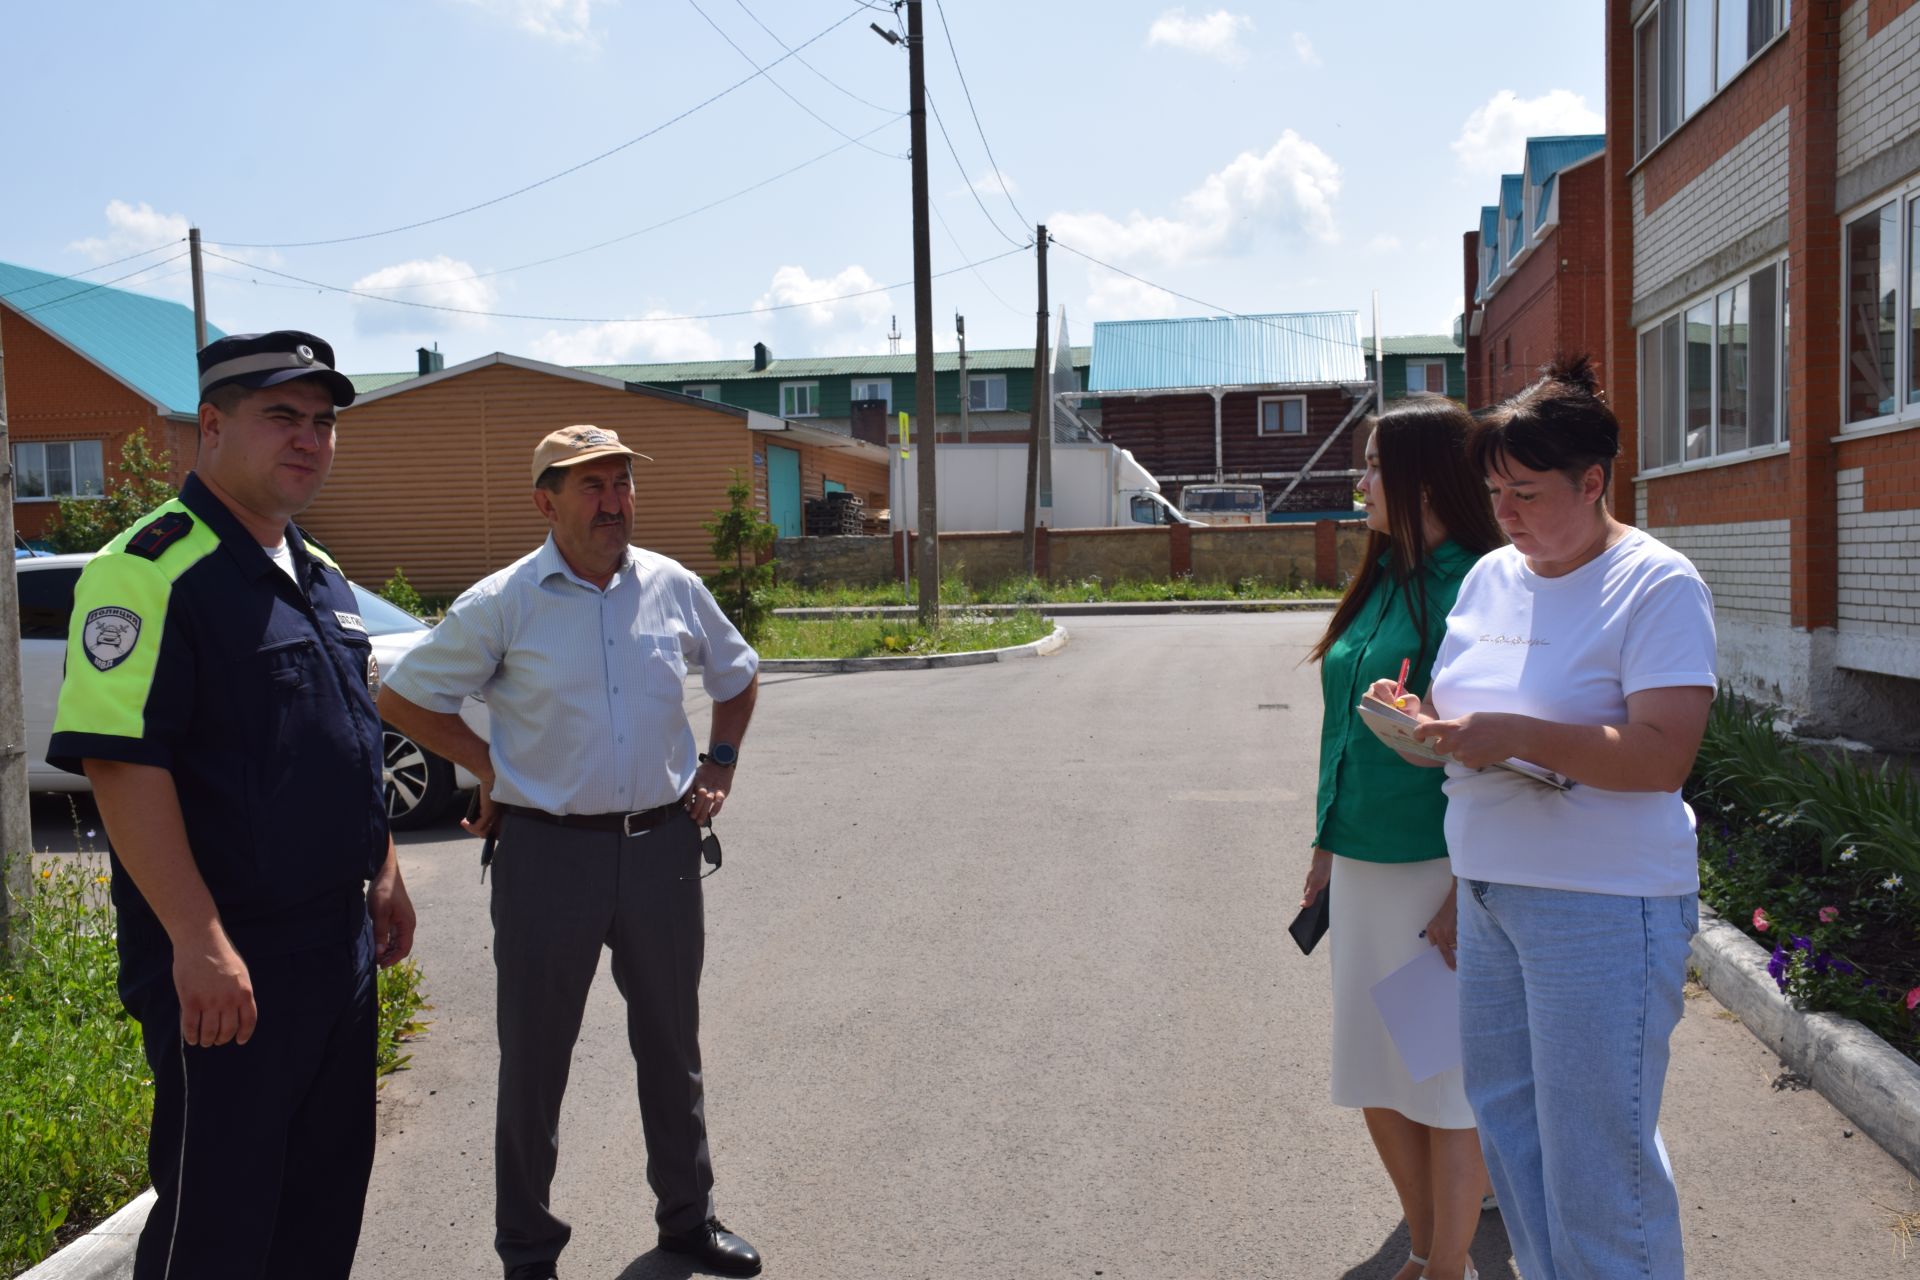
x=217 y=696
x=583 y=648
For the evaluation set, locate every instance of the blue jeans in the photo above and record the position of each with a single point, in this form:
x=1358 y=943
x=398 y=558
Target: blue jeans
x=1567 y=1001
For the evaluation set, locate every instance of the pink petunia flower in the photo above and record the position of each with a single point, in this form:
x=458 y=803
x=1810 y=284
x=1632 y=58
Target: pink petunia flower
x=1760 y=921
x=1913 y=998
x=1829 y=914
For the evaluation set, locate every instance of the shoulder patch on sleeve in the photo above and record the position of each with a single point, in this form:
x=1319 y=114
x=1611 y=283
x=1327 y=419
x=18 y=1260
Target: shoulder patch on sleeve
x=150 y=542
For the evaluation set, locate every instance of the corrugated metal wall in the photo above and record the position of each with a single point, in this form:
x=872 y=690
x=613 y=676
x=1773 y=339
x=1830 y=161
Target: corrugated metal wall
x=436 y=480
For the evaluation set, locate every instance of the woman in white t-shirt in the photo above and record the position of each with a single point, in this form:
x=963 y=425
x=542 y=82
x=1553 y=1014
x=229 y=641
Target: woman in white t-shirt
x=1587 y=647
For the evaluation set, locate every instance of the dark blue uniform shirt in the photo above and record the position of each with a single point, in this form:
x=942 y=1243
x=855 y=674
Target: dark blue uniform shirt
x=190 y=650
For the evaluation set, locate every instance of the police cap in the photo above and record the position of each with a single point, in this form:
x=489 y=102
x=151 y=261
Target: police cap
x=259 y=360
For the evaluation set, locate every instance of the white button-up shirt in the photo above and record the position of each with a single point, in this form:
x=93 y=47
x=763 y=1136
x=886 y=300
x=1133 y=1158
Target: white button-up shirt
x=583 y=685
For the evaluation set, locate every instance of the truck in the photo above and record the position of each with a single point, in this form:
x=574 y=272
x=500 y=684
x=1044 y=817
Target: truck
x=1224 y=503
x=983 y=488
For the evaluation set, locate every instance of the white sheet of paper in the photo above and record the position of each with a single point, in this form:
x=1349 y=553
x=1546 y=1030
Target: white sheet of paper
x=1420 y=1002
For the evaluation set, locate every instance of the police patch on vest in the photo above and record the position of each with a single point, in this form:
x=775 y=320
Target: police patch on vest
x=350 y=622
x=109 y=635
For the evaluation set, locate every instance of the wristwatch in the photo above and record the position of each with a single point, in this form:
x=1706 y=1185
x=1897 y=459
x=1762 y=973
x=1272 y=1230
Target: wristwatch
x=723 y=754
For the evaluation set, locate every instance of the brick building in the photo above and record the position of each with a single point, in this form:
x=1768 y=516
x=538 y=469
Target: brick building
x=1269 y=400
x=1536 y=268
x=1763 y=333
x=87 y=366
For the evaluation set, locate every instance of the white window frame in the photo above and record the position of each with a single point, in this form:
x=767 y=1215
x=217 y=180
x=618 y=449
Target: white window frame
x=1260 y=416
x=1783 y=425
x=1905 y=197
x=993 y=381
x=854 y=385
x=40 y=447
x=701 y=390
x=811 y=392
x=1428 y=363
x=1782 y=18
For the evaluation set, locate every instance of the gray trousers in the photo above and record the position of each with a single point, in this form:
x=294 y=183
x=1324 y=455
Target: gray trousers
x=560 y=895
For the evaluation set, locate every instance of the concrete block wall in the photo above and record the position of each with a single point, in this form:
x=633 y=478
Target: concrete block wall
x=1879 y=86
x=1738 y=194
x=1745 y=565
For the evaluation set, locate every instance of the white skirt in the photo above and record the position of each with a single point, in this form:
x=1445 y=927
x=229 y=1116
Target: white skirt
x=1379 y=909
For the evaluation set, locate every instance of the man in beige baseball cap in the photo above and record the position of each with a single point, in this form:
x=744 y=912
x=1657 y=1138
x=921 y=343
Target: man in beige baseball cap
x=596 y=790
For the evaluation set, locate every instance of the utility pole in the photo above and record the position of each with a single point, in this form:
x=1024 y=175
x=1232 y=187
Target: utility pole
x=966 y=393
x=199 y=290
x=1042 y=403
x=16 y=826
x=929 y=566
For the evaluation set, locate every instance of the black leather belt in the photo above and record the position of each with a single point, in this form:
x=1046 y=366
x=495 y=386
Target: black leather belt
x=626 y=824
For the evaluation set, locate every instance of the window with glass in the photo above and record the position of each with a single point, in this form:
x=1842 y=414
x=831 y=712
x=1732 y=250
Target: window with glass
x=799 y=399
x=702 y=391
x=1712 y=377
x=1283 y=415
x=987 y=392
x=1428 y=376
x=1881 y=301
x=58 y=469
x=875 y=389
x=1685 y=51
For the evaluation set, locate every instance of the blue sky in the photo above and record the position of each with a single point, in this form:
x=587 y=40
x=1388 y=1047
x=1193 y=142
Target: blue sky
x=1258 y=156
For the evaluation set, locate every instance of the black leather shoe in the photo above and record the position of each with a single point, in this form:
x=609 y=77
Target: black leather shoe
x=717 y=1248
x=533 y=1271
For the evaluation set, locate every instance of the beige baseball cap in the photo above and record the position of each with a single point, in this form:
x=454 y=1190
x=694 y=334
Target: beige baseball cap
x=569 y=445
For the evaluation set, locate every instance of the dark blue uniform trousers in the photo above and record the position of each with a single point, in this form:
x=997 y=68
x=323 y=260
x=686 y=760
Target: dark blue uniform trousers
x=261 y=1152
x=559 y=896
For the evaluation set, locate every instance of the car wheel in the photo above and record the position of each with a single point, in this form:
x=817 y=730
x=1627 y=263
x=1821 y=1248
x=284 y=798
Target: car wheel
x=415 y=783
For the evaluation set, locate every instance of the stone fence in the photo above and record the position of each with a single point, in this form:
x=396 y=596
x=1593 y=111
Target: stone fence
x=1325 y=553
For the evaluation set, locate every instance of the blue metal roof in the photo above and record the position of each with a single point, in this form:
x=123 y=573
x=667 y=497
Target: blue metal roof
x=145 y=342
x=1546 y=157
x=1510 y=187
x=1211 y=351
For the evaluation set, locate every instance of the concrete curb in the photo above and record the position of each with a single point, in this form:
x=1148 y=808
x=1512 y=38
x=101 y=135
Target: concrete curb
x=1865 y=1078
x=1037 y=649
x=1065 y=608
x=104 y=1253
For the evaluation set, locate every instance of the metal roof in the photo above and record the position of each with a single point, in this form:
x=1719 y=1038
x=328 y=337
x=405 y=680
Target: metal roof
x=365 y=382
x=1546 y=157
x=1418 y=344
x=145 y=342
x=1510 y=187
x=1307 y=347
x=824 y=366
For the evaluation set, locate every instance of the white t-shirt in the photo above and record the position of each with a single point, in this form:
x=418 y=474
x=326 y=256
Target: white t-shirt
x=282 y=555
x=1570 y=649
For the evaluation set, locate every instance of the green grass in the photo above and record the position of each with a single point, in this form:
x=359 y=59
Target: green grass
x=955 y=591
x=75 y=1096
x=893 y=638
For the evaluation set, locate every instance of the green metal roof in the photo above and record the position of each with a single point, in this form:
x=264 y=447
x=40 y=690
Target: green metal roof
x=822 y=366
x=365 y=382
x=1417 y=344
x=145 y=342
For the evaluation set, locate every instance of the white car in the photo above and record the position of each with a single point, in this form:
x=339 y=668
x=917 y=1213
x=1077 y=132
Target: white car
x=418 y=784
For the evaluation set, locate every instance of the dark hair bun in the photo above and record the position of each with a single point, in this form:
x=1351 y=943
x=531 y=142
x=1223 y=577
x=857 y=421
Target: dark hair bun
x=1575 y=372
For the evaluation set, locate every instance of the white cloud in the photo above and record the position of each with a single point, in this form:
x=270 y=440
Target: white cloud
x=562 y=21
x=1115 y=297
x=992 y=180
x=1217 y=35
x=440 y=281
x=1491 y=141
x=625 y=342
x=130 y=229
x=793 y=285
x=1304 y=50
x=1290 y=187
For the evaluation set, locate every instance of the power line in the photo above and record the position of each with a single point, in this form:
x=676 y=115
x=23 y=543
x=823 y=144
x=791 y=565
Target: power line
x=808 y=65
x=1210 y=306
x=963 y=253
x=664 y=222
x=520 y=191
x=971 y=190
x=81 y=293
x=98 y=266
x=514 y=315
x=785 y=92
x=1025 y=221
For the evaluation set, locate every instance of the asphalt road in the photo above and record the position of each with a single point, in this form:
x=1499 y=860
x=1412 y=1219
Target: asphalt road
x=997 y=985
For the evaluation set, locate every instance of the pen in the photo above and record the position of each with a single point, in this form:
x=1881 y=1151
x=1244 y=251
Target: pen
x=1400 y=685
